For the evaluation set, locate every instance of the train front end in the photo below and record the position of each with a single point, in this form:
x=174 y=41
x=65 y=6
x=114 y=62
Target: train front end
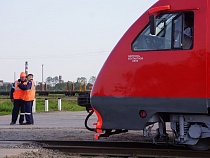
x=157 y=74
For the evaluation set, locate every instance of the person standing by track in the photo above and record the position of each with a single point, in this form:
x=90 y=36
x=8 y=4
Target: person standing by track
x=28 y=97
x=16 y=97
x=33 y=92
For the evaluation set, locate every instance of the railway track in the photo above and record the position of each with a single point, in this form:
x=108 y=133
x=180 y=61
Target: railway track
x=125 y=149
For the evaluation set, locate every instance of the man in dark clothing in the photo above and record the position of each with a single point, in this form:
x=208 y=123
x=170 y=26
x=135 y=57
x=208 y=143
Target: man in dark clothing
x=16 y=97
x=27 y=103
x=30 y=78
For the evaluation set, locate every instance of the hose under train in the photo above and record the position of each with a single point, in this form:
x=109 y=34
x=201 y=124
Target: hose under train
x=86 y=121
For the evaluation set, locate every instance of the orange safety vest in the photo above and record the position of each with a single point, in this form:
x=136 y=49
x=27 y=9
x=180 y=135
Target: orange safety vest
x=29 y=95
x=18 y=93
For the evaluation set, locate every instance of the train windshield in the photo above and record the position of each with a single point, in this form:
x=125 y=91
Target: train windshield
x=169 y=34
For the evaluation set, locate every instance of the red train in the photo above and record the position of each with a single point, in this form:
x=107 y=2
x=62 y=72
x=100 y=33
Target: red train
x=158 y=73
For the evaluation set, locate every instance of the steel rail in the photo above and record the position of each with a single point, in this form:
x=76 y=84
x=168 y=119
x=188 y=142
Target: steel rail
x=123 y=149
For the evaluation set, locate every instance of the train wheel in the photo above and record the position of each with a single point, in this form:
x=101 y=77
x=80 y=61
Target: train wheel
x=202 y=144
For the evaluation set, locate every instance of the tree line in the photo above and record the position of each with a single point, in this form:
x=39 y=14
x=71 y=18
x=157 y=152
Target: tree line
x=53 y=83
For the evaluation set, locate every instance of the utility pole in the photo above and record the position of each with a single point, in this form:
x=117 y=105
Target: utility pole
x=26 y=68
x=42 y=77
x=14 y=76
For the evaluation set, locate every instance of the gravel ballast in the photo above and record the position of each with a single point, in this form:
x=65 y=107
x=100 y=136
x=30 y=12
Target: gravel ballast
x=54 y=134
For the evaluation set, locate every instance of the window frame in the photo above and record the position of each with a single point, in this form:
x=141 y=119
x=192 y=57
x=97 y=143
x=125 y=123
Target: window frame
x=172 y=35
x=172 y=31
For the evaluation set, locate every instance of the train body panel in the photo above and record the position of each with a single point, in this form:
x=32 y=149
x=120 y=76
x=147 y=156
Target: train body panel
x=208 y=49
x=159 y=72
x=124 y=113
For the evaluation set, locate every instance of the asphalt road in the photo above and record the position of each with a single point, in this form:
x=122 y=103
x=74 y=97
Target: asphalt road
x=51 y=120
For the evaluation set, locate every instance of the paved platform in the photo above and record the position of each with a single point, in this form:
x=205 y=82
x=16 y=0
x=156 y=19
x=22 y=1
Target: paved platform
x=56 y=120
x=51 y=120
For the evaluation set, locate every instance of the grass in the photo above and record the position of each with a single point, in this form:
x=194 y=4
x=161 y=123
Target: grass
x=5 y=106
x=68 y=104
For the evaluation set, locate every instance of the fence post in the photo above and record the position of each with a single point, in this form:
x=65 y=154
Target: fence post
x=34 y=106
x=59 y=104
x=46 y=104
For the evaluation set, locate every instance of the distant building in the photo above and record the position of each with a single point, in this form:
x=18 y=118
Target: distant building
x=7 y=83
x=1 y=82
x=60 y=79
x=5 y=86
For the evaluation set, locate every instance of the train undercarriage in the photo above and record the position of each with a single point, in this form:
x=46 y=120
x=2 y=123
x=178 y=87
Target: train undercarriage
x=192 y=130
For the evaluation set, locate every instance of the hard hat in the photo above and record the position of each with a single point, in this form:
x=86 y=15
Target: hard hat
x=22 y=74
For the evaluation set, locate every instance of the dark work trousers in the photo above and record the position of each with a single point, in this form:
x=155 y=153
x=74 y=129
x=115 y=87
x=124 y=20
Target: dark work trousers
x=22 y=112
x=32 y=118
x=18 y=104
x=28 y=111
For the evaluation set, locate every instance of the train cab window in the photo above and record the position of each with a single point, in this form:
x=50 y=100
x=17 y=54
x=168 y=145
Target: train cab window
x=173 y=31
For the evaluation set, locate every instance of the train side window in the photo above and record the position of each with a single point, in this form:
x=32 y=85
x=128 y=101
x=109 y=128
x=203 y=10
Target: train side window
x=183 y=31
x=172 y=32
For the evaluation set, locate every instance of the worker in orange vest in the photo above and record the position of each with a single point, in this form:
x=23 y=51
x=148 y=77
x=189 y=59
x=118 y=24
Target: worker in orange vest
x=28 y=97
x=16 y=97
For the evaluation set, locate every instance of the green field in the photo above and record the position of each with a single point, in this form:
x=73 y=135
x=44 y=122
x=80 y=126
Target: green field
x=68 y=104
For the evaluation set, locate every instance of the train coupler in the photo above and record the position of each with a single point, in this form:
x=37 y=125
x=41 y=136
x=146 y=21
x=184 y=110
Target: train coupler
x=84 y=100
x=109 y=133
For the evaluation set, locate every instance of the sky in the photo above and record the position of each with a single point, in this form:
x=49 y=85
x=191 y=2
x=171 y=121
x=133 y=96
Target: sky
x=71 y=38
